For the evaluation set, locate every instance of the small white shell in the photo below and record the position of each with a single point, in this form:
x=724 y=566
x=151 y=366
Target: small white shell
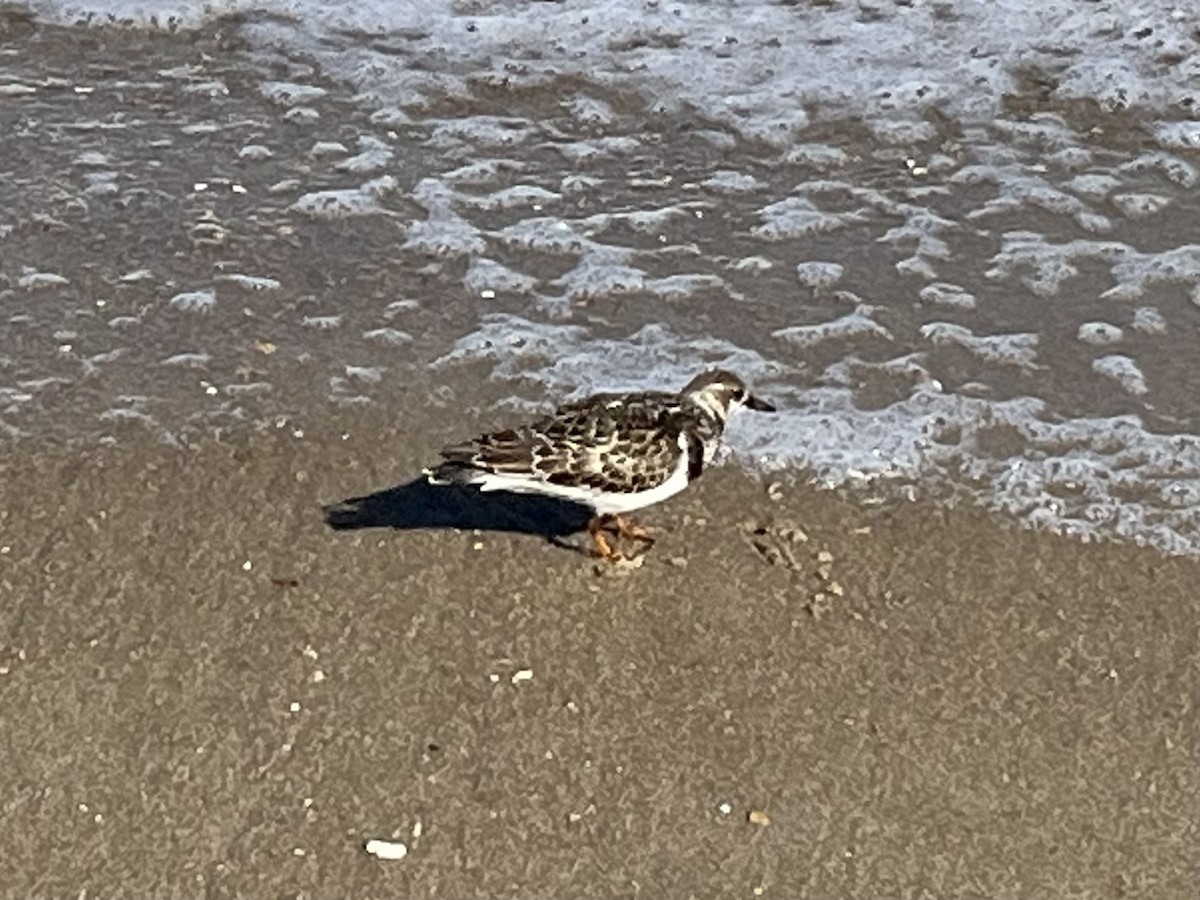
x=387 y=849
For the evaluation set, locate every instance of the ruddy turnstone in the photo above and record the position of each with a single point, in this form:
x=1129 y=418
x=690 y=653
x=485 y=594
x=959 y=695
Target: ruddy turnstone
x=612 y=452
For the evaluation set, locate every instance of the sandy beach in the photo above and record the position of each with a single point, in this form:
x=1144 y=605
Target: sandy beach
x=797 y=694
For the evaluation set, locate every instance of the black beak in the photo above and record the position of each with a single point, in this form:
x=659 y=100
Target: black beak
x=758 y=405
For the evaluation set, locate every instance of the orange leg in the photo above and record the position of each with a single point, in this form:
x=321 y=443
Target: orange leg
x=634 y=531
x=603 y=548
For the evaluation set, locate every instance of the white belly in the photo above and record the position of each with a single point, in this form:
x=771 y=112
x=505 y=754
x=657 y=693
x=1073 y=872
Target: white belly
x=603 y=504
x=611 y=504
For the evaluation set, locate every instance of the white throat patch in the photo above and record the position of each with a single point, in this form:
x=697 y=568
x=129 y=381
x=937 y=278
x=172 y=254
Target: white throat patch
x=710 y=405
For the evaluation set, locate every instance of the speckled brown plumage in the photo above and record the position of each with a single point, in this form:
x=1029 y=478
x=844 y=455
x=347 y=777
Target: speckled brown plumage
x=609 y=443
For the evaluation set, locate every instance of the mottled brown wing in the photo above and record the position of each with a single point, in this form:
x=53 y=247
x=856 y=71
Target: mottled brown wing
x=610 y=442
x=507 y=452
x=644 y=410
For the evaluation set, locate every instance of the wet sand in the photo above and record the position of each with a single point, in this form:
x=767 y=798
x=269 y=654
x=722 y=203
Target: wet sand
x=212 y=692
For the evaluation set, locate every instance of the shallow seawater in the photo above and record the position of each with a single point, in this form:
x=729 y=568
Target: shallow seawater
x=993 y=297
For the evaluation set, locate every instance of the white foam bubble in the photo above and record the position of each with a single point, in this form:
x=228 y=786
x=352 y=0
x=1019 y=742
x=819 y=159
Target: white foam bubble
x=750 y=264
x=443 y=232
x=323 y=323
x=327 y=148
x=650 y=221
x=33 y=280
x=944 y=294
x=601 y=271
x=819 y=274
x=821 y=157
x=1094 y=185
x=1043 y=266
x=855 y=324
x=251 y=283
x=488 y=275
x=798 y=217
x=302 y=115
x=341 y=204
x=365 y=374
x=545 y=233
x=682 y=286
x=99 y=184
x=589 y=110
x=93 y=158
x=1100 y=333
x=288 y=93
x=399 y=307
x=1018 y=187
x=515 y=196
x=1014 y=349
x=255 y=152
x=373 y=155
x=389 y=336
x=727 y=181
x=9 y=396
x=1173 y=168
x=188 y=360
x=481 y=131
x=1124 y=371
x=1140 y=206
x=1135 y=271
x=481 y=172
x=201 y=301
x=1183 y=135
x=587 y=151
x=1148 y=320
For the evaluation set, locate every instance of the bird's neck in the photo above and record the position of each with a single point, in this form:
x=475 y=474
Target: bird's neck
x=709 y=421
x=708 y=408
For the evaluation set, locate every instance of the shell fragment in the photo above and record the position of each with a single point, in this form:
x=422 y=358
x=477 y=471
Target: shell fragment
x=387 y=849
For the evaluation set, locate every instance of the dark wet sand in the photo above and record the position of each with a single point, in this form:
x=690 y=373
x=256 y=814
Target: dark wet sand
x=982 y=712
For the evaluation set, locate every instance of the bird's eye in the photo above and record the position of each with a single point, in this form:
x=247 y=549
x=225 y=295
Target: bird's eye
x=738 y=395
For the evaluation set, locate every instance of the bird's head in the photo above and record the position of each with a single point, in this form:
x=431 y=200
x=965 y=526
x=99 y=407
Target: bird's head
x=720 y=393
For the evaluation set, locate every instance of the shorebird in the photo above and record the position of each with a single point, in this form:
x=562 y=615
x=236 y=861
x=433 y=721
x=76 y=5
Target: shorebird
x=611 y=452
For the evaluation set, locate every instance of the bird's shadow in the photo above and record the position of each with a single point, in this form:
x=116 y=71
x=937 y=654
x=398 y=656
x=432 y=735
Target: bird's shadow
x=419 y=504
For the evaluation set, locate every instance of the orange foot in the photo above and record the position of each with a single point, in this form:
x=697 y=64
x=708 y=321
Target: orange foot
x=603 y=548
x=617 y=527
x=634 y=531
